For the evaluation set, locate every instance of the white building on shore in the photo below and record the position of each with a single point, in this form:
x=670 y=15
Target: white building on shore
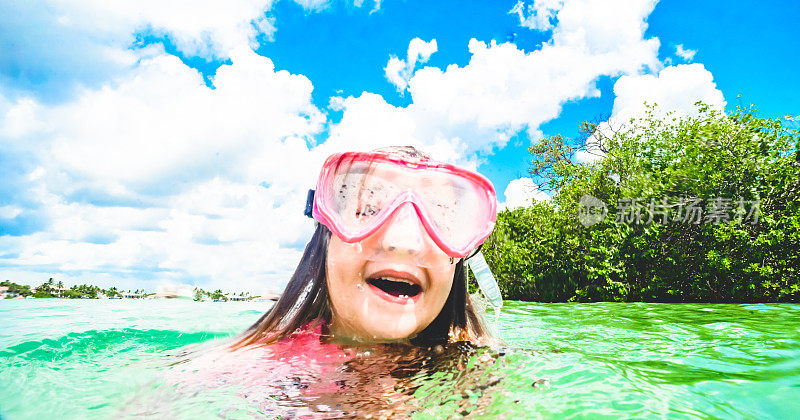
x=172 y=291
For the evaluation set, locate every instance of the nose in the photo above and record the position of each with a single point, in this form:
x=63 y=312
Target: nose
x=403 y=232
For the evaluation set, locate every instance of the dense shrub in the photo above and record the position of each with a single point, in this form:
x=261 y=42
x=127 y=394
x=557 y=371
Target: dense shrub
x=741 y=171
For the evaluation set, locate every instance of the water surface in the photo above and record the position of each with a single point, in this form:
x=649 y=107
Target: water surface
x=116 y=358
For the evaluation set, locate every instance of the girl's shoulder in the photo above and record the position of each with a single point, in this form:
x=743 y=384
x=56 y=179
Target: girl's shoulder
x=302 y=351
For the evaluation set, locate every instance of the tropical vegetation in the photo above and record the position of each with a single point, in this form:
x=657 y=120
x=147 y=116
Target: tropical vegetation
x=702 y=208
x=53 y=289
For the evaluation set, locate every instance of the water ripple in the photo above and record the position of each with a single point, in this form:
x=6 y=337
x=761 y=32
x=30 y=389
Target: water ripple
x=99 y=359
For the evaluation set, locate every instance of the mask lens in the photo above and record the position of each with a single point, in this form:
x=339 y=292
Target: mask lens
x=360 y=195
x=454 y=208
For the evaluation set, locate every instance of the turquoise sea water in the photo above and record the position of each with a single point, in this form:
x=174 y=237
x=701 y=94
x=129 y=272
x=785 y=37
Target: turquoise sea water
x=119 y=358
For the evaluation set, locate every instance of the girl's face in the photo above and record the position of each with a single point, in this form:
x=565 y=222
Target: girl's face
x=394 y=297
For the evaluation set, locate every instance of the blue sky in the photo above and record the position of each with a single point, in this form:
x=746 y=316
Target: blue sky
x=144 y=144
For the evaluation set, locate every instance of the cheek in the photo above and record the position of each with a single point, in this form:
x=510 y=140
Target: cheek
x=344 y=273
x=441 y=284
x=345 y=261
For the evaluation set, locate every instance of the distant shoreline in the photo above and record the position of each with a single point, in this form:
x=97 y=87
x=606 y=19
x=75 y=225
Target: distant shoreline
x=52 y=289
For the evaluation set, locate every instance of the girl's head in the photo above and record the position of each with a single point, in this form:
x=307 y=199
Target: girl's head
x=393 y=268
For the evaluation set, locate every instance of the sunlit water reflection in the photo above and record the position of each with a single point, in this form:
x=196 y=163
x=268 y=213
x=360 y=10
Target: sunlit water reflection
x=106 y=359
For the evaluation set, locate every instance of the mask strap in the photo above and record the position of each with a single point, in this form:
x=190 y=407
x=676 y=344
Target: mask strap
x=477 y=250
x=309 y=204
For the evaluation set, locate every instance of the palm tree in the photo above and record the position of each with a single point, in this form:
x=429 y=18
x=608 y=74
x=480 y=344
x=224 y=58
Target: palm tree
x=60 y=284
x=45 y=287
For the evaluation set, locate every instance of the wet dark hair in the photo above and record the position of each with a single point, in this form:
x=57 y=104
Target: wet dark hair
x=306 y=296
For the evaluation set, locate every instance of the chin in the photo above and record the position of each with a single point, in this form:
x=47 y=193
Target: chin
x=391 y=327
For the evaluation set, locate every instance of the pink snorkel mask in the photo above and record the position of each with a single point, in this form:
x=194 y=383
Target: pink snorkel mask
x=358 y=192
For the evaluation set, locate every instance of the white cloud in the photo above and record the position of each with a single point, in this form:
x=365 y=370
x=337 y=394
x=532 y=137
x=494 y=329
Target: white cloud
x=198 y=28
x=9 y=212
x=20 y=119
x=181 y=164
x=313 y=5
x=503 y=89
x=539 y=15
x=398 y=71
x=205 y=28
x=369 y=122
x=162 y=122
x=153 y=174
x=62 y=47
x=224 y=234
x=522 y=192
x=336 y=103
x=320 y=5
x=375 y=7
x=686 y=54
x=152 y=171
x=674 y=90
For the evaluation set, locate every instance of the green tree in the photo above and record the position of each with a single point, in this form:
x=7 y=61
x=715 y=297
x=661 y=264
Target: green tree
x=736 y=161
x=218 y=295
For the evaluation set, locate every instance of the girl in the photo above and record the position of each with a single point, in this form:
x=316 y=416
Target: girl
x=386 y=262
x=378 y=306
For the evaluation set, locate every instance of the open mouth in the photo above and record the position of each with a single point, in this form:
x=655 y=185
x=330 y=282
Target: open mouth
x=395 y=287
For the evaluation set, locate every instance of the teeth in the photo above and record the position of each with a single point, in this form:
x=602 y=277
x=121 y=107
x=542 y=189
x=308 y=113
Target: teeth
x=399 y=280
x=403 y=297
